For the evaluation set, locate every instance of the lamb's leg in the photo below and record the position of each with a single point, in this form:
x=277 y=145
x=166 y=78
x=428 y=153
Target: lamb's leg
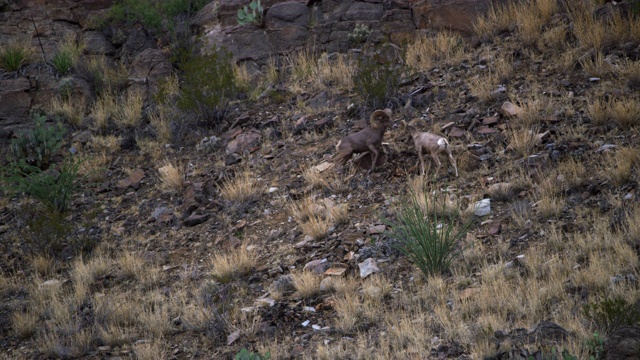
x=374 y=151
x=421 y=160
x=452 y=161
x=434 y=156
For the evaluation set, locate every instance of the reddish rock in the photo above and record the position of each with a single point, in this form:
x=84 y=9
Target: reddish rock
x=133 y=181
x=456 y=132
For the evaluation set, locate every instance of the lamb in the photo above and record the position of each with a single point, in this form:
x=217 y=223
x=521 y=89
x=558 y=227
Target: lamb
x=368 y=139
x=431 y=143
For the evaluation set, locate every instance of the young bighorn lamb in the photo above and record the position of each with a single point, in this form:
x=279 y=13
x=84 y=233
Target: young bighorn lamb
x=368 y=139
x=431 y=143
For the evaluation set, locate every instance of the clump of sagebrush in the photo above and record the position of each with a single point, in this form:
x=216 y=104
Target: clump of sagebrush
x=376 y=83
x=208 y=85
x=36 y=146
x=359 y=34
x=427 y=231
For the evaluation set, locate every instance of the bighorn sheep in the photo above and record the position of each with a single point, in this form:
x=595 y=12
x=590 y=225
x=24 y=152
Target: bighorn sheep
x=431 y=143
x=368 y=139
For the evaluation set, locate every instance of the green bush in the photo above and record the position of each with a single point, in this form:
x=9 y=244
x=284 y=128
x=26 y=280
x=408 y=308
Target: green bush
x=427 y=231
x=154 y=15
x=359 y=34
x=38 y=145
x=376 y=83
x=245 y=354
x=610 y=314
x=13 y=56
x=51 y=233
x=208 y=85
x=54 y=188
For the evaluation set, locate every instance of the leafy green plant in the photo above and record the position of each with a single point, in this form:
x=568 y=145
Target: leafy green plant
x=245 y=354
x=13 y=56
x=595 y=346
x=610 y=314
x=251 y=14
x=36 y=146
x=428 y=231
x=376 y=83
x=208 y=85
x=359 y=34
x=54 y=188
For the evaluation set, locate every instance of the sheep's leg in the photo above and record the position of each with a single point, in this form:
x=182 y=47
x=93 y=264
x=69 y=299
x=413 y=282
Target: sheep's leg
x=374 y=151
x=452 y=161
x=434 y=156
x=421 y=161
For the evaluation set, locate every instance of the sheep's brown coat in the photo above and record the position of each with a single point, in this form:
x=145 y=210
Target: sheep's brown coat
x=368 y=139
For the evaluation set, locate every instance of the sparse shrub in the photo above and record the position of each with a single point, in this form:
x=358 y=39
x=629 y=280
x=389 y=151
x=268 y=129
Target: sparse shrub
x=103 y=76
x=69 y=108
x=427 y=232
x=209 y=84
x=595 y=346
x=217 y=301
x=610 y=314
x=376 y=83
x=13 y=56
x=359 y=34
x=251 y=14
x=441 y=49
x=245 y=354
x=38 y=145
x=153 y=15
x=53 y=188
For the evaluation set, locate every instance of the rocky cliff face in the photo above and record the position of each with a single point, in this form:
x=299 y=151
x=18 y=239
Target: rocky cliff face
x=287 y=25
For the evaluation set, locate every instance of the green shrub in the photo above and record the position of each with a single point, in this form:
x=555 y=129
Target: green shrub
x=245 y=354
x=359 y=34
x=66 y=56
x=51 y=233
x=54 y=188
x=13 y=56
x=376 y=83
x=251 y=14
x=208 y=85
x=38 y=145
x=610 y=314
x=154 y=15
x=427 y=231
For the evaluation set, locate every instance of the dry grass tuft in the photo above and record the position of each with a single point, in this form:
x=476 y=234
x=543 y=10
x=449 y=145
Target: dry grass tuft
x=598 y=111
x=129 y=112
x=307 y=284
x=103 y=109
x=150 y=350
x=522 y=140
x=241 y=190
x=107 y=143
x=316 y=219
x=625 y=160
x=24 y=324
x=70 y=108
x=440 y=50
x=227 y=266
x=483 y=86
x=626 y=112
x=95 y=166
x=171 y=177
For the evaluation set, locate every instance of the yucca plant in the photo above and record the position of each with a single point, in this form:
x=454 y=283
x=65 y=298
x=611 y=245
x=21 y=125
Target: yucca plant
x=427 y=231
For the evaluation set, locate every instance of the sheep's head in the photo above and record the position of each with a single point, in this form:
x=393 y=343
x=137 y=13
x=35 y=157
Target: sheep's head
x=411 y=126
x=380 y=118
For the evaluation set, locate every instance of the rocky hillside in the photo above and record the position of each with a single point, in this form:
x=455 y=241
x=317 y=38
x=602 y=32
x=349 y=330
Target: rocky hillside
x=208 y=218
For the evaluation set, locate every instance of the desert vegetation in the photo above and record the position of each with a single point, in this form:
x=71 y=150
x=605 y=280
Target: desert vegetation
x=205 y=217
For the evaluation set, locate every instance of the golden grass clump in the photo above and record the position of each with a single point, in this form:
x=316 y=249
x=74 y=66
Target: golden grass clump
x=103 y=109
x=237 y=262
x=107 y=143
x=442 y=49
x=307 y=284
x=241 y=190
x=314 y=219
x=483 y=86
x=171 y=177
x=522 y=140
x=626 y=112
x=129 y=112
x=71 y=108
x=625 y=159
